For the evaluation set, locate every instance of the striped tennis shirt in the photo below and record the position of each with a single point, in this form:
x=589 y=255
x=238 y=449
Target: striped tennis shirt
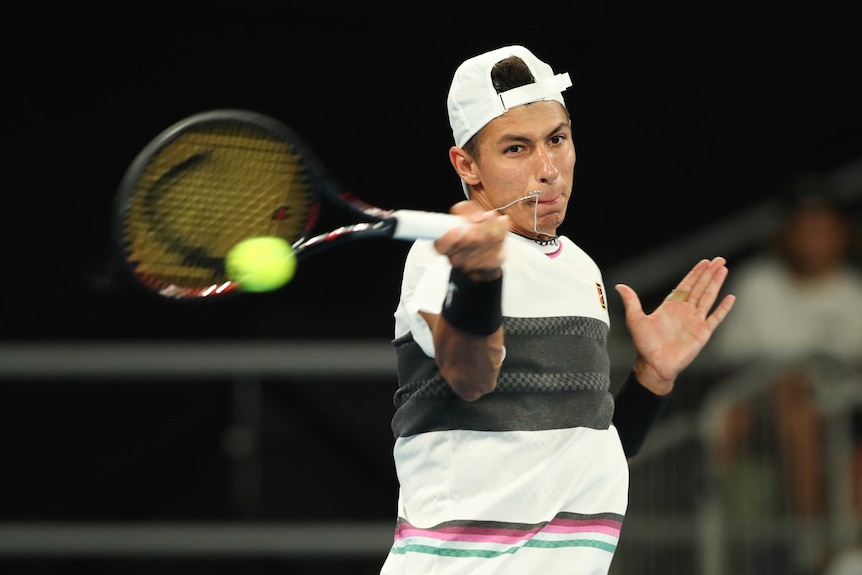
x=530 y=478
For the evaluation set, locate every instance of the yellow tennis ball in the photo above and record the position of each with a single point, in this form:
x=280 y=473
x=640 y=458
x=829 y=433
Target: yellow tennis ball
x=260 y=264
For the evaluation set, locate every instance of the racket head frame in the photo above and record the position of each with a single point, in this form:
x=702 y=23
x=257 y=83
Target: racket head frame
x=130 y=190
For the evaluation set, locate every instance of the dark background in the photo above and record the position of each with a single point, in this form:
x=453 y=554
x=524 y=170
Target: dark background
x=683 y=114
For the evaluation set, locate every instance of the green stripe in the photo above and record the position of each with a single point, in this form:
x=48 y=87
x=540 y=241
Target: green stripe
x=488 y=553
x=572 y=543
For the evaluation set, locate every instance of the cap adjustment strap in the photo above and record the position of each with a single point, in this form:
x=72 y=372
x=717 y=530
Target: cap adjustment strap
x=536 y=91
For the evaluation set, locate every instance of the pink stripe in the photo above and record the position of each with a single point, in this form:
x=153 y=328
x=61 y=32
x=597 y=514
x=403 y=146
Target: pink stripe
x=505 y=535
x=556 y=252
x=461 y=536
x=473 y=530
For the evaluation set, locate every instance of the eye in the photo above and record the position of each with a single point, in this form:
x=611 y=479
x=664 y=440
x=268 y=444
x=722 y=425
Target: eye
x=558 y=139
x=514 y=149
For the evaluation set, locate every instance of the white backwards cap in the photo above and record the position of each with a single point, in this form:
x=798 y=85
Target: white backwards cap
x=473 y=101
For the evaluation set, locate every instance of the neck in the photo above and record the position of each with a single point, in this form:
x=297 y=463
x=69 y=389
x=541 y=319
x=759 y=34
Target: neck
x=542 y=240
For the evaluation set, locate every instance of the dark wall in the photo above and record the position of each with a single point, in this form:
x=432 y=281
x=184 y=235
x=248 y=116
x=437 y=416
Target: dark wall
x=686 y=111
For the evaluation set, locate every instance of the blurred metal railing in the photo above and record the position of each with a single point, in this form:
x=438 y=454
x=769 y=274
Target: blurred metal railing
x=683 y=518
x=246 y=364
x=209 y=540
x=837 y=394
x=177 y=359
x=678 y=522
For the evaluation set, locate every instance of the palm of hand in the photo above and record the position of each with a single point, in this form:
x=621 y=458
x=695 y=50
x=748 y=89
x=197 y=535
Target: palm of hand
x=669 y=339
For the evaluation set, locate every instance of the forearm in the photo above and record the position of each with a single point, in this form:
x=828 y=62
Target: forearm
x=469 y=363
x=468 y=333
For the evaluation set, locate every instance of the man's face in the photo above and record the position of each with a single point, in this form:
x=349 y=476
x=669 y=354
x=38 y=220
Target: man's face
x=527 y=149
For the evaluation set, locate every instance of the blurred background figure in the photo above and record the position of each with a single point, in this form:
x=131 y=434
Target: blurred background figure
x=848 y=562
x=790 y=360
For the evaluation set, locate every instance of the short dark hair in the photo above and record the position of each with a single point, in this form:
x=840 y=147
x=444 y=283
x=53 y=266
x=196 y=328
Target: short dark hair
x=511 y=73
x=506 y=74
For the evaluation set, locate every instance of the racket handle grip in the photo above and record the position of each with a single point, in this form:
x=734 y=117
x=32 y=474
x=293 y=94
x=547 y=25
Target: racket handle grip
x=421 y=225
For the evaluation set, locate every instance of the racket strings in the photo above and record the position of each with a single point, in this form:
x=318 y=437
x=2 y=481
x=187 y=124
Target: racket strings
x=205 y=191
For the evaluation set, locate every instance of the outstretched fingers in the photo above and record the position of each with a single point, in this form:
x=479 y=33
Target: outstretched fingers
x=702 y=284
x=722 y=309
x=708 y=284
x=709 y=277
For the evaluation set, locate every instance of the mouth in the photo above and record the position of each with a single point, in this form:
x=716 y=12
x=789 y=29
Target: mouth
x=545 y=208
x=533 y=199
x=545 y=201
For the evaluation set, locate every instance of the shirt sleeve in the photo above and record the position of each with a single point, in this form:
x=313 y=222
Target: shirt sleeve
x=423 y=288
x=636 y=409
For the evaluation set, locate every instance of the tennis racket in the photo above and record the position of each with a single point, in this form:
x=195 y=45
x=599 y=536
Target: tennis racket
x=218 y=177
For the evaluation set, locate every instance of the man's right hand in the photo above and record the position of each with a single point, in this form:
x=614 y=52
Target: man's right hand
x=477 y=249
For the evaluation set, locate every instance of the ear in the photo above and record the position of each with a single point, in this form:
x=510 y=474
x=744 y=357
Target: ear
x=464 y=165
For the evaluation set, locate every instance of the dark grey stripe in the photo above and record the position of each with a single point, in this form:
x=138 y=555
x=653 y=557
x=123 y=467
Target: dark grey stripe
x=556 y=375
x=568 y=325
x=505 y=412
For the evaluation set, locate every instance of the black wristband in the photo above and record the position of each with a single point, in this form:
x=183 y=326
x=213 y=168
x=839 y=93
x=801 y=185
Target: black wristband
x=636 y=409
x=473 y=307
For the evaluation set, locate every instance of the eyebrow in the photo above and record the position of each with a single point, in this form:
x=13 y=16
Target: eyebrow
x=518 y=138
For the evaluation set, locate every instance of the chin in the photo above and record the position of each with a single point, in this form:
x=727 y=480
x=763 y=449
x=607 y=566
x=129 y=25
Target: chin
x=550 y=222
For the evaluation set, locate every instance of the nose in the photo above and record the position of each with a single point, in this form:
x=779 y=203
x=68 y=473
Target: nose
x=546 y=170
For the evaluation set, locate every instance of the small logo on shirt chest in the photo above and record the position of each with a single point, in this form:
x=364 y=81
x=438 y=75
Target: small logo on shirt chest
x=601 y=293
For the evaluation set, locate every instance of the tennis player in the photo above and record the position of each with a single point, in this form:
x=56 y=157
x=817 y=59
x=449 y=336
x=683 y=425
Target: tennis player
x=510 y=451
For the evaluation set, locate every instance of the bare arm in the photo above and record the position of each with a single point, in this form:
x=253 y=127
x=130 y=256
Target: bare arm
x=469 y=363
x=468 y=336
